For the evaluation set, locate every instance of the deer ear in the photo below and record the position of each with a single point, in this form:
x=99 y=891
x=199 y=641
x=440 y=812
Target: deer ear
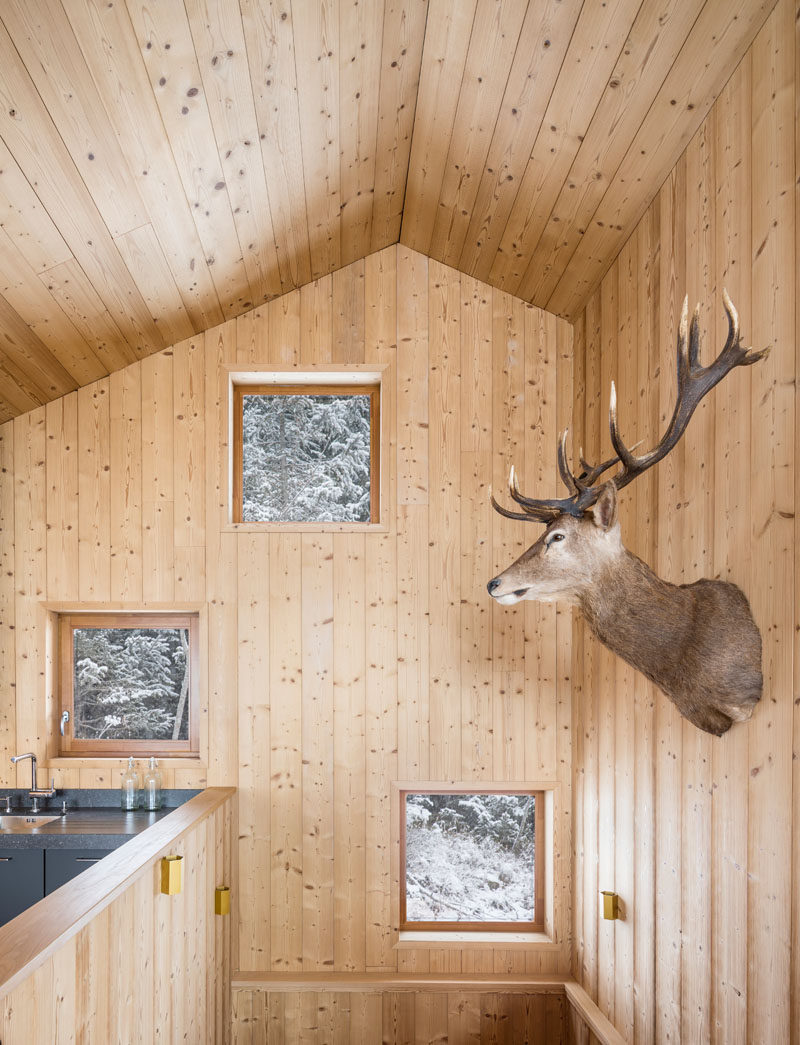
x=604 y=512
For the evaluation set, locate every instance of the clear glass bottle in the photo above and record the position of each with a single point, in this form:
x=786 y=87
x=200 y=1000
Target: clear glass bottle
x=151 y=786
x=129 y=794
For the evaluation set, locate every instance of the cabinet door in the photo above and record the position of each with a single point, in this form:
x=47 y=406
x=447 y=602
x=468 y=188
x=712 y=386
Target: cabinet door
x=61 y=865
x=21 y=881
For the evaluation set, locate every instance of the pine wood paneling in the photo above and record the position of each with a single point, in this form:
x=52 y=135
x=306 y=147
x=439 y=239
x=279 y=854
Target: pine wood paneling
x=711 y=859
x=122 y=962
x=547 y=1013
x=7 y=605
x=165 y=166
x=334 y=664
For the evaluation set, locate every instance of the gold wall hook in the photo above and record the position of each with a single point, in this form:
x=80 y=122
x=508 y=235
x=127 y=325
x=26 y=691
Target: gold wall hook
x=610 y=905
x=171 y=875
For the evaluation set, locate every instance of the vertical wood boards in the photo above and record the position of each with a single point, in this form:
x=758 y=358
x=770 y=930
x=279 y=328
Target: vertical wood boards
x=772 y=450
x=399 y=1018
x=125 y=435
x=145 y=968
x=476 y=526
x=563 y=827
x=62 y=497
x=220 y=559
x=7 y=606
x=626 y=370
x=336 y=663
x=94 y=474
x=697 y=556
x=254 y=750
x=30 y=578
x=349 y=755
x=712 y=857
x=445 y=523
x=286 y=814
x=605 y=681
x=537 y=468
x=589 y=712
x=669 y=742
x=732 y=554
x=318 y=750
x=381 y=721
x=645 y=695
x=189 y=455
x=509 y=691
x=158 y=504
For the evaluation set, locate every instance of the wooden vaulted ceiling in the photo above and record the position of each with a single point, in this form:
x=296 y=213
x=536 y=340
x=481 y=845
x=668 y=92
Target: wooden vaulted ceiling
x=167 y=164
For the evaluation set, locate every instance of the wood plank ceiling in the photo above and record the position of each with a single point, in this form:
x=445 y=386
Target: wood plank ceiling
x=168 y=164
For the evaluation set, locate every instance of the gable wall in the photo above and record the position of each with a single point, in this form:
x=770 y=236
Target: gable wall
x=336 y=663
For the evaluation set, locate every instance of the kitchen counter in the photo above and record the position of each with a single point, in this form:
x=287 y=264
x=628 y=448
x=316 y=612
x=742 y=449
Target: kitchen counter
x=93 y=820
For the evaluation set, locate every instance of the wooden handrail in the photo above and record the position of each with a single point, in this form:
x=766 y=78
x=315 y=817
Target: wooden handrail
x=602 y=1028
x=30 y=938
x=369 y=982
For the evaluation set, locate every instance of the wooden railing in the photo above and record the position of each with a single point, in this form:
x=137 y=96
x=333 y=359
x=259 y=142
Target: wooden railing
x=588 y=1024
x=108 y=958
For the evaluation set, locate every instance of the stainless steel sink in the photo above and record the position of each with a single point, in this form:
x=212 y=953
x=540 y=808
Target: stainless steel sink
x=26 y=822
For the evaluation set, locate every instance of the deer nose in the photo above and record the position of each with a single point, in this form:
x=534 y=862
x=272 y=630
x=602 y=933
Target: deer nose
x=492 y=585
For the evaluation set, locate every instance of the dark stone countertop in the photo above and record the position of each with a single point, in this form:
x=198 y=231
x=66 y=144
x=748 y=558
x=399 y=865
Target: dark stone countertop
x=94 y=819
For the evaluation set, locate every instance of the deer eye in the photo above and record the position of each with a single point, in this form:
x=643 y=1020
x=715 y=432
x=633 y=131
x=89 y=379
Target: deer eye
x=555 y=537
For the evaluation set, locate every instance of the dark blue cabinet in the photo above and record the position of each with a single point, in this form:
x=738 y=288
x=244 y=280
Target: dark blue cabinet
x=61 y=865
x=21 y=881
x=26 y=875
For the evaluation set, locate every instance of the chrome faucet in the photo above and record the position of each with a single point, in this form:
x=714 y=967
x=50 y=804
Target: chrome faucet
x=35 y=792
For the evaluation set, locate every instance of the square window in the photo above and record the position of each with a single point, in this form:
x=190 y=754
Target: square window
x=470 y=861
x=128 y=682
x=306 y=453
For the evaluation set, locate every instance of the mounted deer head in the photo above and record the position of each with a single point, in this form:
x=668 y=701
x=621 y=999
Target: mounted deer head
x=698 y=642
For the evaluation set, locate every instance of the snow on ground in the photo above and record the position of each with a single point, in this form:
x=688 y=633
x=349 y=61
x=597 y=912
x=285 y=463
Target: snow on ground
x=469 y=858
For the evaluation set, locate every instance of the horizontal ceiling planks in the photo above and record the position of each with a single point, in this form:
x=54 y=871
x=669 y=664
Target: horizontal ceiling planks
x=166 y=166
x=544 y=130
x=695 y=80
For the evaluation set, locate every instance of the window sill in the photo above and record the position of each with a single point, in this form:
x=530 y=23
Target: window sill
x=304 y=527
x=87 y=761
x=504 y=940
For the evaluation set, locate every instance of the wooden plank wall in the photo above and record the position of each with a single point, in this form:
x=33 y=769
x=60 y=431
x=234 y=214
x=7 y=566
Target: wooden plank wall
x=335 y=662
x=697 y=834
x=396 y=1018
x=148 y=967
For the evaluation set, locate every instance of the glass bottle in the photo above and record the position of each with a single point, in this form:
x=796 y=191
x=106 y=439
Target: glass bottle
x=129 y=797
x=151 y=787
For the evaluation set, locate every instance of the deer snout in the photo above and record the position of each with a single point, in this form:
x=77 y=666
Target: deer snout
x=492 y=585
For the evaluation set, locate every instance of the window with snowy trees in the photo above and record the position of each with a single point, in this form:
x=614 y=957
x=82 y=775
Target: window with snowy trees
x=470 y=861
x=306 y=453
x=128 y=683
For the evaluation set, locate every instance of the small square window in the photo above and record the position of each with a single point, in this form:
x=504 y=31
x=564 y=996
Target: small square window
x=470 y=861
x=306 y=453
x=128 y=683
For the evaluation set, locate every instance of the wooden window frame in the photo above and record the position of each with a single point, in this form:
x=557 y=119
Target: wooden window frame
x=69 y=746
x=538 y=922
x=373 y=390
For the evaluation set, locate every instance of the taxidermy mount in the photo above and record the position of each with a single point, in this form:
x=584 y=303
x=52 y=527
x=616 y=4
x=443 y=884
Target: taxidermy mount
x=697 y=642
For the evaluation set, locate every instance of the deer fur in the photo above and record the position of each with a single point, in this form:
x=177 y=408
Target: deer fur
x=697 y=642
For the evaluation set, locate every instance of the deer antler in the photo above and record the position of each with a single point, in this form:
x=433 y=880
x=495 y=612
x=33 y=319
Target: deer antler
x=694 y=382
